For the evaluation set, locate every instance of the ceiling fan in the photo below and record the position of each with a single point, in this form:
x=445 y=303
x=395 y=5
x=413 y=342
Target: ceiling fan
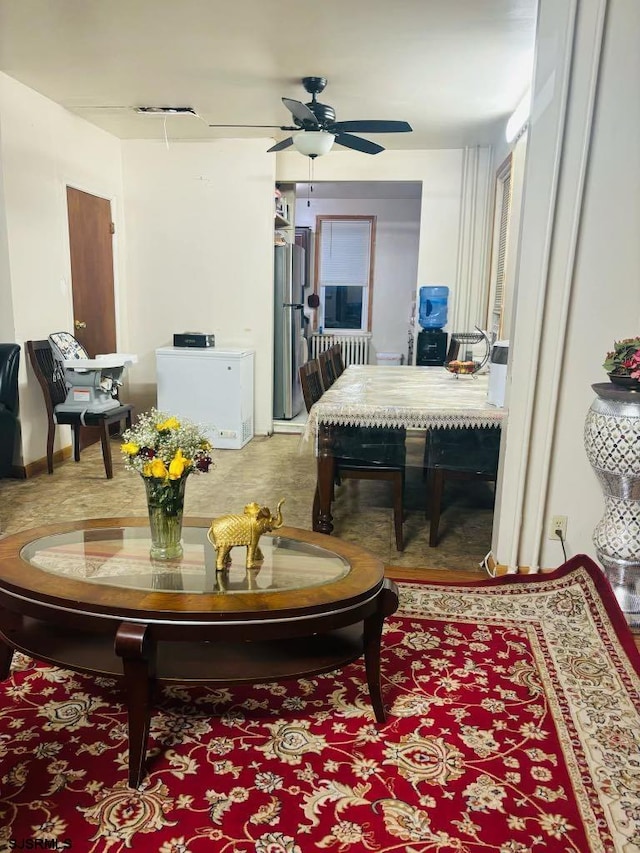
x=317 y=128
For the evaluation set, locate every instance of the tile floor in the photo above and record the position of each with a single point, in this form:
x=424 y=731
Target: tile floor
x=266 y=469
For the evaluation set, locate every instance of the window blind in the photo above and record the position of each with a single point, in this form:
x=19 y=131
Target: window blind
x=345 y=250
x=503 y=236
x=501 y=225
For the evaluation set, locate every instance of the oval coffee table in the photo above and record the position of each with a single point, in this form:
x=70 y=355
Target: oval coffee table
x=86 y=596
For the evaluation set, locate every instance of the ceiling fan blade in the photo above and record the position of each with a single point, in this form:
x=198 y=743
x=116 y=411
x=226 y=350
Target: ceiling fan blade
x=278 y=126
x=280 y=146
x=372 y=126
x=299 y=111
x=358 y=144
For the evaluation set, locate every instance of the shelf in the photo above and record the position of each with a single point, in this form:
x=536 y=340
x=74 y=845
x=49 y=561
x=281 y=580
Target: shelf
x=193 y=661
x=284 y=214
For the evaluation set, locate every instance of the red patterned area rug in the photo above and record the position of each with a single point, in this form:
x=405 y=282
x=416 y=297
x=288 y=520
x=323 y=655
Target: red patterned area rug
x=513 y=727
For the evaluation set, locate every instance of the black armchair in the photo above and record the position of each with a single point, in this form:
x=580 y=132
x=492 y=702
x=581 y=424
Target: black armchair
x=9 y=363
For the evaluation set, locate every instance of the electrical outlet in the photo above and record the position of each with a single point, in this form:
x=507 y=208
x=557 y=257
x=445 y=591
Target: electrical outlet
x=558 y=522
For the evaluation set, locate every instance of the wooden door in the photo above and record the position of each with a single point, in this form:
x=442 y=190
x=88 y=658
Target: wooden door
x=91 y=246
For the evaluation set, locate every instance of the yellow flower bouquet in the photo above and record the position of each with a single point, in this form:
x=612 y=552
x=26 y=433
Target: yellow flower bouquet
x=164 y=451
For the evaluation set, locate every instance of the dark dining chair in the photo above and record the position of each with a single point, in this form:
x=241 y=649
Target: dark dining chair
x=54 y=391
x=335 y=355
x=9 y=363
x=311 y=381
x=327 y=371
x=457 y=454
x=362 y=453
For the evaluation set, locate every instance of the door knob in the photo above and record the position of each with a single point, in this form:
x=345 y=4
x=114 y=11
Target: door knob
x=78 y=324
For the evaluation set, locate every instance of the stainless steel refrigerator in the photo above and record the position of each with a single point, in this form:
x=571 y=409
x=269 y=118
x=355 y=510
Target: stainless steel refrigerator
x=289 y=341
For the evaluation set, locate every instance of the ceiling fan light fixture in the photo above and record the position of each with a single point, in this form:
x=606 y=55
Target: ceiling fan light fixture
x=313 y=143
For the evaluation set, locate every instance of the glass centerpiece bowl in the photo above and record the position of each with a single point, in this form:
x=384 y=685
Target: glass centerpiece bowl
x=164 y=451
x=623 y=364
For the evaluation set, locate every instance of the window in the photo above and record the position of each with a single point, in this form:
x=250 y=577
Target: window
x=344 y=272
x=500 y=243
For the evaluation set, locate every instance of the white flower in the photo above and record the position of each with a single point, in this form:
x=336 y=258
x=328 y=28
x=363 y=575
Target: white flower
x=161 y=447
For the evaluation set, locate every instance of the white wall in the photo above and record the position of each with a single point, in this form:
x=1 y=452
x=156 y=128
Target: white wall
x=44 y=148
x=200 y=253
x=7 y=330
x=578 y=270
x=200 y=225
x=396 y=261
x=605 y=300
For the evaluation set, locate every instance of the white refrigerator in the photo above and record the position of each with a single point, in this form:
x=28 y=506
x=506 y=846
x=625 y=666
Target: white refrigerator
x=210 y=386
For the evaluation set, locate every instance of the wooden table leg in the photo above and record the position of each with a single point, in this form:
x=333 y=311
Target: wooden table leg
x=10 y=622
x=138 y=663
x=387 y=604
x=324 y=489
x=6 y=656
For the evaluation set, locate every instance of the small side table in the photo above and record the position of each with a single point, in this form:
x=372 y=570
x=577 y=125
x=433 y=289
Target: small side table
x=612 y=442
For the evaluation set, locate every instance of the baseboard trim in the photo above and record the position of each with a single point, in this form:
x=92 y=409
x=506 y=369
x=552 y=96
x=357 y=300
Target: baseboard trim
x=501 y=570
x=498 y=570
x=39 y=466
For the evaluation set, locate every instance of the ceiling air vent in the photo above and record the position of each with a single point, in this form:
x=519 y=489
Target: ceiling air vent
x=167 y=111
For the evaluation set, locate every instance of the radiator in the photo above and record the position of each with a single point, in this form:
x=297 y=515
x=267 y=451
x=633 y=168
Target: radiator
x=354 y=348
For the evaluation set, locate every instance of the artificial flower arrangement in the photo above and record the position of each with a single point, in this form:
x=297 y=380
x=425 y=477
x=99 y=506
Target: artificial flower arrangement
x=165 y=451
x=624 y=360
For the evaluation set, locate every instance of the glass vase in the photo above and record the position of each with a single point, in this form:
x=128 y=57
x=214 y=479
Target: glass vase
x=165 y=501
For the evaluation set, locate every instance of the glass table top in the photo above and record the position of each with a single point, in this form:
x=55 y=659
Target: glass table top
x=119 y=557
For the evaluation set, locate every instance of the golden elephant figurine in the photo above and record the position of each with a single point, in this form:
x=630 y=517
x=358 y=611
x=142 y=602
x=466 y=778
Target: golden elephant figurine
x=227 y=531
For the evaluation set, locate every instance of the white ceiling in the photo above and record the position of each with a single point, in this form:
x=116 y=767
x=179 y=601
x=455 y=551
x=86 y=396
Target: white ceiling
x=454 y=69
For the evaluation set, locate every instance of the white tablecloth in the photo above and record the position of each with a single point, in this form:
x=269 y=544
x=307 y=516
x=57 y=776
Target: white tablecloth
x=410 y=397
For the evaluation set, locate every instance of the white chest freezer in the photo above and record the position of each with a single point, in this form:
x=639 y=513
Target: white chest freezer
x=210 y=386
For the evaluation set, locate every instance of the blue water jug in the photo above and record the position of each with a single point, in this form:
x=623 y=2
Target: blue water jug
x=433 y=306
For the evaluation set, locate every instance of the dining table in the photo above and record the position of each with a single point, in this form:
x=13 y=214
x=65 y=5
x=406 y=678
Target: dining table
x=399 y=397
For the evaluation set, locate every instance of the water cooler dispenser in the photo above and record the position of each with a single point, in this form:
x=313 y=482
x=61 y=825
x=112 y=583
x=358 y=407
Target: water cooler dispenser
x=432 y=341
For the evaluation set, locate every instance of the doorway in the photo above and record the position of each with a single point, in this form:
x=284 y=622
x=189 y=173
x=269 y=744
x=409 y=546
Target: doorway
x=396 y=208
x=91 y=249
